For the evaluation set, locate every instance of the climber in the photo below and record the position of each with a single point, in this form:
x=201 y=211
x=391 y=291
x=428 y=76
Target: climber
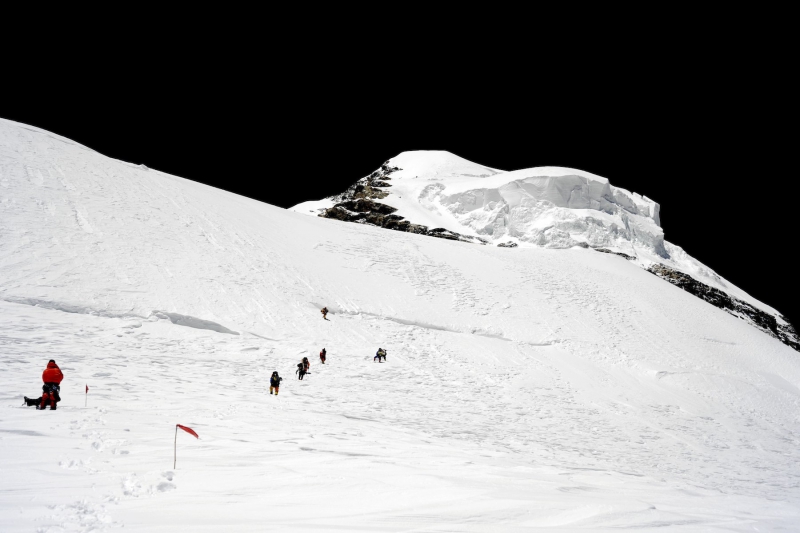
x=322 y=355
x=275 y=382
x=381 y=353
x=324 y=312
x=301 y=371
x=306 y=364
x=51 y=377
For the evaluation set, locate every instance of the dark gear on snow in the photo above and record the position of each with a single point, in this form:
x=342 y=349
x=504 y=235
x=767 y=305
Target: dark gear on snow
x=50 y=396
x=30 y=402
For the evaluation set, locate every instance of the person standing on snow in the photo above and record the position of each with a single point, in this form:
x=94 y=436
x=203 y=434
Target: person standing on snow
x=306 y=364
x=381 y=353
x=51 y=377
x=301 y=371
x=324 y=312
x=275 y=382
x=322 y=355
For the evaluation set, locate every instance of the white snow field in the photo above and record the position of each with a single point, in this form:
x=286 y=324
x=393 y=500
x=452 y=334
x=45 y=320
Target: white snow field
x=525 y=389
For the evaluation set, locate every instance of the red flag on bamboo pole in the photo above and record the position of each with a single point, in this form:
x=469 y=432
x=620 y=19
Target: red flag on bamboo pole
x=86 y=398
x=188 y=430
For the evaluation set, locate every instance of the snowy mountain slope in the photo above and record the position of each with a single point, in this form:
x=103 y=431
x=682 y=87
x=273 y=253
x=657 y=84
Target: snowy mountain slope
x=550 y=207
x=558 y=389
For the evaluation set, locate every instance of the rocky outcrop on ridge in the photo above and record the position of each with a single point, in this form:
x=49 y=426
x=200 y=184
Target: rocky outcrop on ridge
x=358 y=204
x=607 y=251
x=756 y=317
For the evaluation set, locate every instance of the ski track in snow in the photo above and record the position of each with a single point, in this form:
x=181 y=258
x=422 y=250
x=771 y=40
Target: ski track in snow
x=524 y=389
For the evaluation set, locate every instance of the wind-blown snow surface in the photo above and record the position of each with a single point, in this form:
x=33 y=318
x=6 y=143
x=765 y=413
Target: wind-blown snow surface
x=557 y=389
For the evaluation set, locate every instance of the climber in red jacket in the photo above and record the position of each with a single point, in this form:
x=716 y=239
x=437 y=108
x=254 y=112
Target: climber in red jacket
x=51 y=377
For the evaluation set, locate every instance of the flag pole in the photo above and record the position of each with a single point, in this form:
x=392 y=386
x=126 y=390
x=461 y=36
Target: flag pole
x=188 y=430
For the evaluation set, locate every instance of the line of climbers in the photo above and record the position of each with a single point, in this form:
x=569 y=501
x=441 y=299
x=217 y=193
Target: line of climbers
x=304 y=365
x=52 y=377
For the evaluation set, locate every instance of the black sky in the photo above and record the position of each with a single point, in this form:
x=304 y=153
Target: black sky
x=706 y=132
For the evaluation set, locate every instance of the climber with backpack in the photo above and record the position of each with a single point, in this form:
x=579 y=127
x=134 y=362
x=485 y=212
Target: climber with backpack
x=324 y=312
x=380 y=354
x=322 y=355
x=301 y=370
x=306 y=364
x=51 y=377
x=275 y=382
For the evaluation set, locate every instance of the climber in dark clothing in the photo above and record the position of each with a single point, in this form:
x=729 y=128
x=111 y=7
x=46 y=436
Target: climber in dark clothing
x=324 y=312
x=275 y=382
x=301 y=370
x=381 y=353
x=306 y=364
x=52 y=377
x=322 y=355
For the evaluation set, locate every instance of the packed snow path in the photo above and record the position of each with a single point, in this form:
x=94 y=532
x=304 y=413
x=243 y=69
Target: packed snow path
x=524 y=388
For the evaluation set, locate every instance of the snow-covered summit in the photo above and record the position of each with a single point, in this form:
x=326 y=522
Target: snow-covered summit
x=552 y=207
x=440 y=194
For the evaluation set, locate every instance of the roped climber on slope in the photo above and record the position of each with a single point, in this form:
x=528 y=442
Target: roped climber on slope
x=52 y=377
x=275 y=383
x=380 y=354
x=323 y=355
x=324 y=312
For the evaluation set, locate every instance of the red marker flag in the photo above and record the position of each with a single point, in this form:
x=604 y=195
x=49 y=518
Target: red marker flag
x=87 y=389
x=188 y=430
x=86 y=398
